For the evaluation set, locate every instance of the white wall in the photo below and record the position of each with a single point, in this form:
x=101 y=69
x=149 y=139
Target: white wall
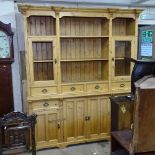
x=150 y=12
x=7 y=15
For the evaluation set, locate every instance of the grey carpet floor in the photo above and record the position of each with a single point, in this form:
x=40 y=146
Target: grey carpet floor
x=98 y=148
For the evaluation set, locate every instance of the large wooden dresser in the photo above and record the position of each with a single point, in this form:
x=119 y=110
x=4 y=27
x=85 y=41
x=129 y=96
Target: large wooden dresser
x=74 y=62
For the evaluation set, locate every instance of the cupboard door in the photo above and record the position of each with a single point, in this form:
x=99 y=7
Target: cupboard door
x=40 y=129
x=53 y=127
x=42 y=61
x=122 y=47
x=48 y=127
x=74 y=111
x=104 y=117
x=93 y=128
x=98 y=118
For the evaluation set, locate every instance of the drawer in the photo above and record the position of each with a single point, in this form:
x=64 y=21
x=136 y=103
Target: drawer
x=43 y=91
x=121 y=85
x=97 y=87
x=72 y=88
x=45 y=105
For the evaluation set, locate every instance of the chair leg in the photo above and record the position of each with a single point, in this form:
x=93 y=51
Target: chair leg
x=33 y=141
x=0 y=142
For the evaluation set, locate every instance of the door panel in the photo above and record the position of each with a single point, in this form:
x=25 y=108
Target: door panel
x=43 y=62
x=49 y=125
x=98 y=118
x=74 y=122
x=53 y=127
x=40 y=128
x=104 y=116
x=94 y=117
x=122 y=47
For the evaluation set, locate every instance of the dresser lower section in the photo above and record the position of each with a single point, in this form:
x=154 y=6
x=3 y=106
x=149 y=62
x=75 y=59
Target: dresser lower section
x=61 y=122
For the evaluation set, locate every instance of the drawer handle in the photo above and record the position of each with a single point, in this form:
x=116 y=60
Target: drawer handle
x=72 y=88
x=44 y=91
x=122 y=85
x=97 y=87
x=45 y=104
x=87 y=118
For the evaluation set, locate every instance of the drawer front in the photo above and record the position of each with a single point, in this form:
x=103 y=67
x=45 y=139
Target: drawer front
x=45 y=105
x=121 y=85
x=72 y=88
x=43 y=91
x=97 y=87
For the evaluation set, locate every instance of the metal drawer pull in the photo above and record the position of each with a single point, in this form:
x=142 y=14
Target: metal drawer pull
x=122 y=85
x=97 y=87
x=87 y=118
x=45 y=104
x=72 y=88
x=58 y=125
x=44 y=91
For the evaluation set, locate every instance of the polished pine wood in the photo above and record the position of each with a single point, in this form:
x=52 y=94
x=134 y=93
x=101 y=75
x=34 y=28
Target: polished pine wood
x=75 y=57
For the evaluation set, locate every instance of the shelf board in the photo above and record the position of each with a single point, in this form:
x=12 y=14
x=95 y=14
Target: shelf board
x=42 y=61
x=72 y=60
x=41 y=36
x=106 y=36
x=123 y=36
x=84 y=82
x=119 y=59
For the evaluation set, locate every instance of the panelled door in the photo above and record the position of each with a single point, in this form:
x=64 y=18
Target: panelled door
x=74 y=112
x=98 y=114
x=43 y=62
x=122 y=47
x=48 y=127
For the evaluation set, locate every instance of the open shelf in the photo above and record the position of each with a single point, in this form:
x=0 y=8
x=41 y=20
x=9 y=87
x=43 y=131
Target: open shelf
x=84 y=71
x=84 y=26
x=123 y=27
x=84 y=48
x=41 y=25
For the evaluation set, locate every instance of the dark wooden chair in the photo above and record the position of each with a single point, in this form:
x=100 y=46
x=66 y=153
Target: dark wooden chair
x=17 y=132
x=140 y=140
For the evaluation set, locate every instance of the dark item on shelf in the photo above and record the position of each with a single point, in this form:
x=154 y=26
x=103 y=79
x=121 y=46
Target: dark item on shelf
x=141 y=68
x=17 y=130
